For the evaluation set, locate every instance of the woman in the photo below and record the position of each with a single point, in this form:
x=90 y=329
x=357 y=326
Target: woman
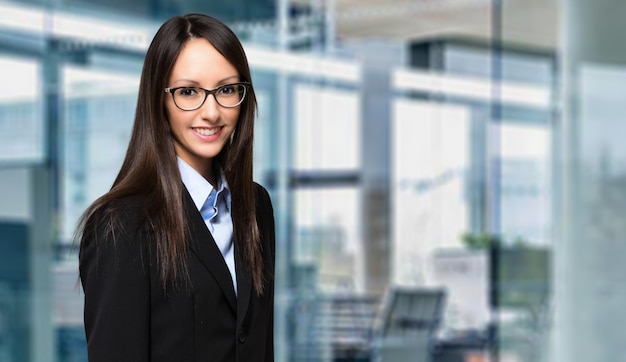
x=177 y=259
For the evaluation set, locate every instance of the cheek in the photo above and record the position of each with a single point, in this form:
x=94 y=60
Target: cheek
x=176 y=126
x=235 y=117
x=175 y=117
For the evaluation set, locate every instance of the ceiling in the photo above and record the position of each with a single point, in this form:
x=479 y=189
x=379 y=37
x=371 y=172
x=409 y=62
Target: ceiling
x=529 y=23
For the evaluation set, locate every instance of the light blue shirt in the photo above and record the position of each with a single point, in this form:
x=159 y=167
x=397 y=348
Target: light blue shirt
x=215 y=209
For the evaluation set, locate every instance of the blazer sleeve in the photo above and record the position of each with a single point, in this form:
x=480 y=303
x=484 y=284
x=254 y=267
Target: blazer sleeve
x=116 y=281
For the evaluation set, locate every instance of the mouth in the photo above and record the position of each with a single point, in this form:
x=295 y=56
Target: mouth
x=206 y=131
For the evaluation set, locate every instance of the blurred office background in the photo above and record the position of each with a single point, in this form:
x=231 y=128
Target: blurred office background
x=448 y=176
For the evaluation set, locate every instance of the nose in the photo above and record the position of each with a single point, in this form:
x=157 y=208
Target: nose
x=210 y=108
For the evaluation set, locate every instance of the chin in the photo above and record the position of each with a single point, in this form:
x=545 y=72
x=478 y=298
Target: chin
x=210 y=155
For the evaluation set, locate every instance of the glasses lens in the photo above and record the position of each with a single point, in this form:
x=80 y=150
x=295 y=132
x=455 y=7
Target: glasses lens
x=189 y=97
x=230 y=95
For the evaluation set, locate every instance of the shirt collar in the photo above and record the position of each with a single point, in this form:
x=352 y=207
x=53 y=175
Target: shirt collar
x=199 y=188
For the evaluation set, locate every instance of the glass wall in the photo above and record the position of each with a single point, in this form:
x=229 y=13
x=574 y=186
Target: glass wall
x=446 y=176
x=589 y=265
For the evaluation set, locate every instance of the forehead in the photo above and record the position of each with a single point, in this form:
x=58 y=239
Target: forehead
x=199 y=61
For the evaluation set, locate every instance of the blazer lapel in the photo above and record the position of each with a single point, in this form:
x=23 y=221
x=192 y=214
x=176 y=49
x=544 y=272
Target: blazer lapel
x=204 y=247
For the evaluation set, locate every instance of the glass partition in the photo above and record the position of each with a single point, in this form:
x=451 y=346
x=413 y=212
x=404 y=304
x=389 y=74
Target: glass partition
x=468 y=150
x=22 y=146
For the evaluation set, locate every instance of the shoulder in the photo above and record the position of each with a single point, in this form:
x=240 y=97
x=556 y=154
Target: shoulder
x=113 y=241
x=264 y=208
x=126 y=209
x=263 y=198
x=264 y=213
x=114 y=220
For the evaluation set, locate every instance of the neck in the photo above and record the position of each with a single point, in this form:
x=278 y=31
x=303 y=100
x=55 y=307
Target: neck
x=205 y=169
x=209 y=174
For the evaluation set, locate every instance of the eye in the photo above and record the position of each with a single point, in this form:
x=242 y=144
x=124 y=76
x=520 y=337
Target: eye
x=228 y=89
x=187 y=92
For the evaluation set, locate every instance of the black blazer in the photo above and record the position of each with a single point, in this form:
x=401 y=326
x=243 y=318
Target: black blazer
x=130 y=317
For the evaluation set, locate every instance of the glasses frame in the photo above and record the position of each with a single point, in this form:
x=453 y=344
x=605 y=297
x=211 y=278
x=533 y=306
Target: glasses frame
x=213 y=91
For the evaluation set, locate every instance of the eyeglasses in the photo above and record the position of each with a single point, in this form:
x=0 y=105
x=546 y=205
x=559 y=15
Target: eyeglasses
x=191 y=98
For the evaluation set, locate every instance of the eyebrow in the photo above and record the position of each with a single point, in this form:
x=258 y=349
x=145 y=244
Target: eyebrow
x=220 y=82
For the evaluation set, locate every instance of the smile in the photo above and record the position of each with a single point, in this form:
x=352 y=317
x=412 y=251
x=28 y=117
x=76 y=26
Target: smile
x=207 y=131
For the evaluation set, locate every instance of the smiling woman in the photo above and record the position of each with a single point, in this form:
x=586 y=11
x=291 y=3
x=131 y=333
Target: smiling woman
x=177 y=259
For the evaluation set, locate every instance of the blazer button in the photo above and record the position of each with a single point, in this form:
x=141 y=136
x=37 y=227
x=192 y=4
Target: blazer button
x=242 y=336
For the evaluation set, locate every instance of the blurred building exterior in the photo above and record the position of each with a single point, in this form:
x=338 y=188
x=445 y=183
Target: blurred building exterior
x=469 y=146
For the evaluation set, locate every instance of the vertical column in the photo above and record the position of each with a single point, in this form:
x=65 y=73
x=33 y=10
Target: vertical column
x=45 y=206
x=375 y=175
x=494 y=177
x=377 y=60
x=282 y=191
x=589 y=266
x=42 y=231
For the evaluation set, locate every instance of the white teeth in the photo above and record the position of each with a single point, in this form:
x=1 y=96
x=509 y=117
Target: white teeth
x=207 y=132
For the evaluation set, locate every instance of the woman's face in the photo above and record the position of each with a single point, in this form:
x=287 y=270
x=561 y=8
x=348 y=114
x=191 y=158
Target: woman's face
x=200 y=135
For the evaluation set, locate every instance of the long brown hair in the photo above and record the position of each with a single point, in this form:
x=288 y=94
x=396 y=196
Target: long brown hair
x=150 y=171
